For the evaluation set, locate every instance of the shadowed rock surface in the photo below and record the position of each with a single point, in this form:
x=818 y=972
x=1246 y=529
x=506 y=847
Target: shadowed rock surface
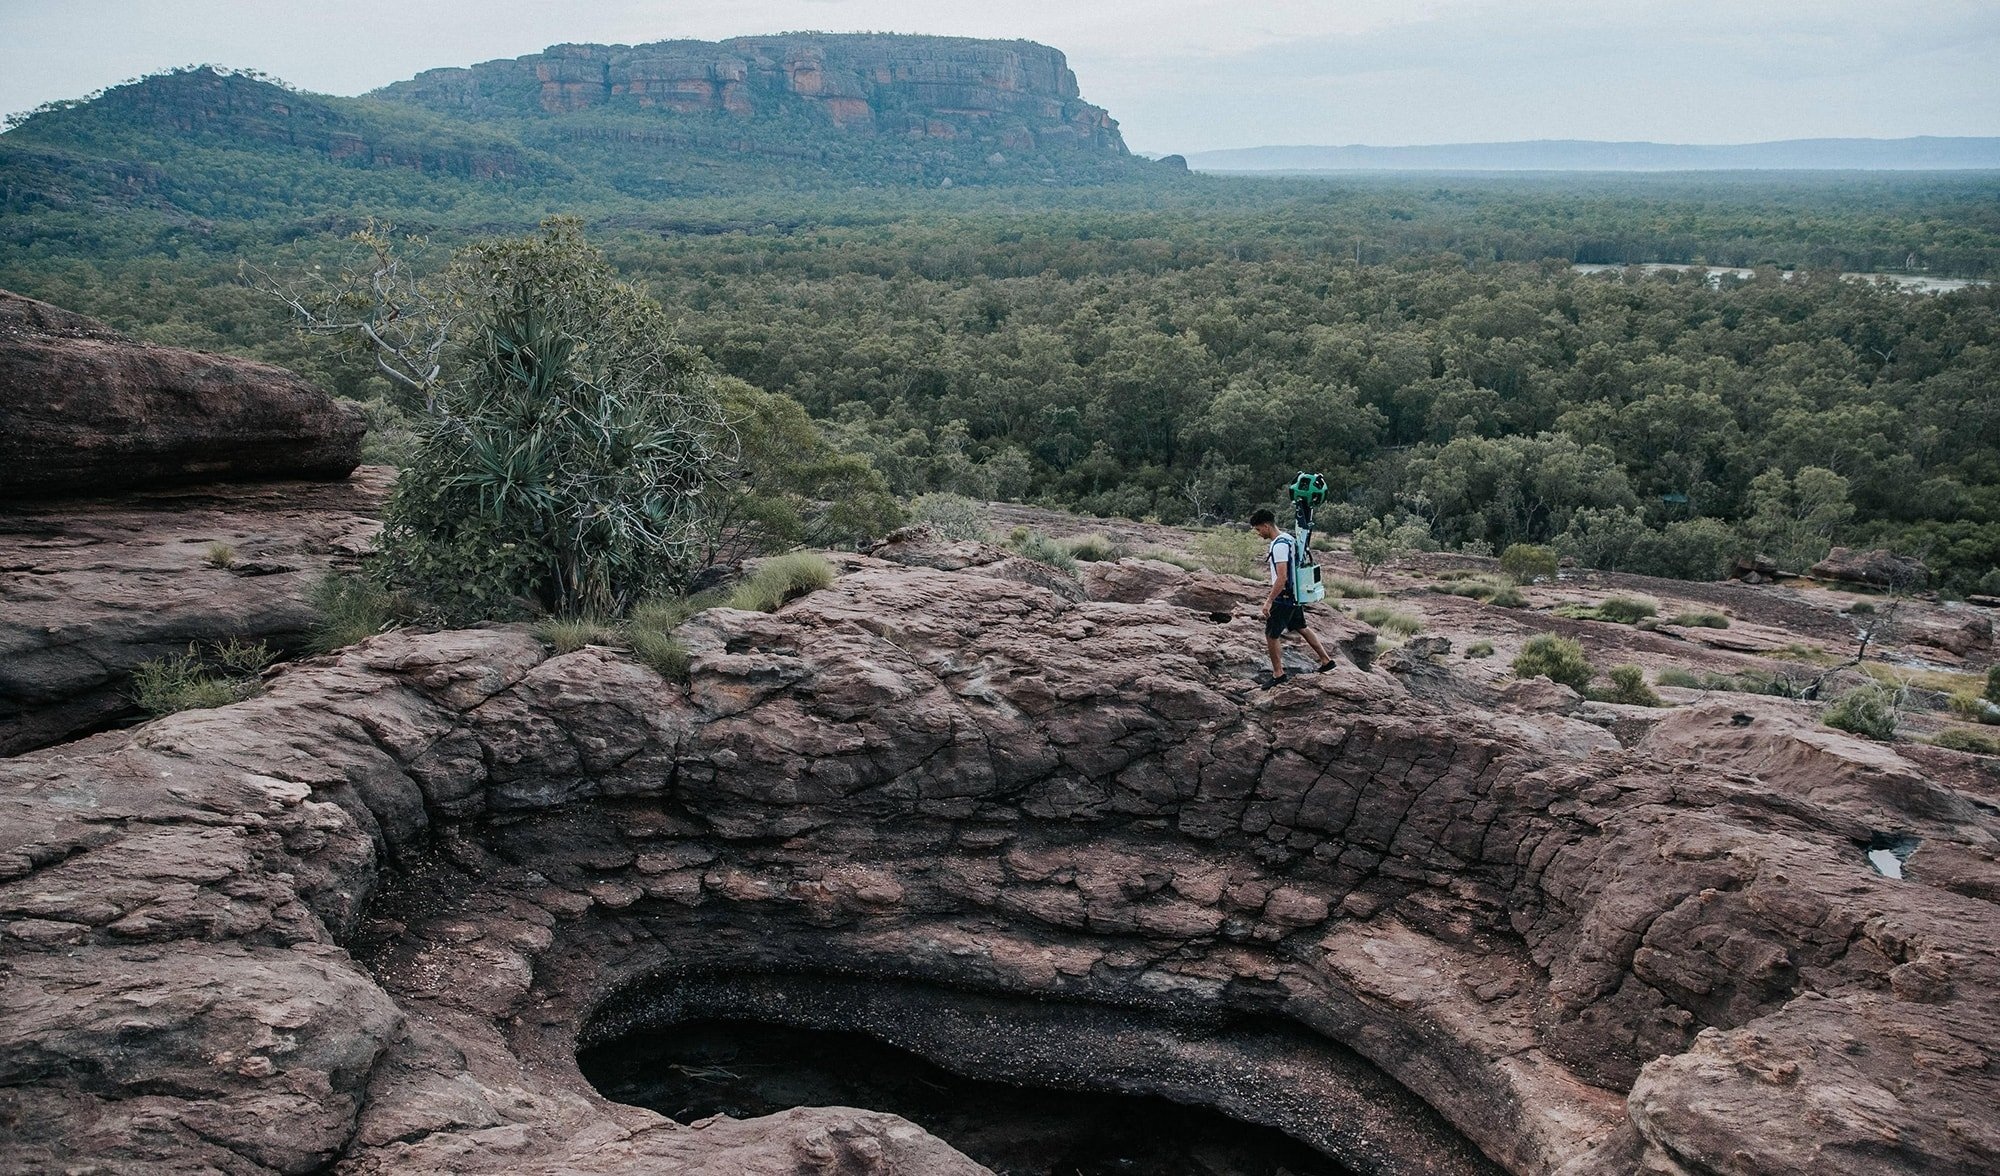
x=89 y=589
x=87 y=411
x=362 y=922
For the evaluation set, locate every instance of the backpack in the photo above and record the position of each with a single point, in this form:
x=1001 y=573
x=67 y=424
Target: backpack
x=1304 y=586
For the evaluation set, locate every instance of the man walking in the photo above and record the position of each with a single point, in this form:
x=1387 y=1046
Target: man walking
x=1282 y=612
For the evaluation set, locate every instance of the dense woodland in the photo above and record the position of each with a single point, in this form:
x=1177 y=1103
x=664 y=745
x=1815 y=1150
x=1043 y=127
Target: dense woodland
x=1177 y=346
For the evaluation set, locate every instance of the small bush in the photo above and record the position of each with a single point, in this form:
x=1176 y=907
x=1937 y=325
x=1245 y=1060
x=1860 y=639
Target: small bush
x=183 y=681
x=569 y=634
x=221 y=555
x=1479 y=649
x=671 y=612
x=1993 y=684
x=1627 y=610
x=1558 y=659
x=1396 y=621
x=1961 y=739
x=1862 y=608
x=1699 y=620
x=953 y=516
x=1232 y=553
x=1525 y=563
x=1044 y=550
x=1093 y=548
x=351 y=609
x=783 y=578
x=1628 y=686
x=1678 y=678
x=1347 y=587
x=1745 y=683
x=1870 y=711
x=661 y=650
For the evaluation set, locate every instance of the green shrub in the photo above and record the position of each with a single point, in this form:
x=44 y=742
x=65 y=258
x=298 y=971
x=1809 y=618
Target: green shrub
x=1347 y=587
x=569 y=634
x=221 y=555
x=1093 y=548
x=1479 y=649
x=351 y=609
x=1961 y=739
x=1861 y=608
x=1044 y=550
x=1558 y=659
x=1395 y=620
x=953 y=516
x=1628 y=686
x=671 y=612
x=561 y=471
x=1993 y=684
x=1232 y=553
x=782 y=578
x=1678 y=678
x=1744 y=683
x=1525 y=563
x=1699 y=620
x=184 y=681
x=1865 y=710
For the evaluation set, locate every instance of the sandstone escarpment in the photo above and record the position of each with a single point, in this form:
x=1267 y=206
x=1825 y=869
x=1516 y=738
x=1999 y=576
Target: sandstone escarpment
x=1015 y=95
x=86 y=411
x=364 y=921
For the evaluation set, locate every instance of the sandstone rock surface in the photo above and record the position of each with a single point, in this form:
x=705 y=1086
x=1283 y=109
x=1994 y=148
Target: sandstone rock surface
x=361 y=923
x=1878 y=568
x=86 y=411
x=90 y=589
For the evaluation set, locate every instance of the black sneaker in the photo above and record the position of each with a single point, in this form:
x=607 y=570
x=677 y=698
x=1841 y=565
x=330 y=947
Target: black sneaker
x=1326 y=665
x=1276 y=682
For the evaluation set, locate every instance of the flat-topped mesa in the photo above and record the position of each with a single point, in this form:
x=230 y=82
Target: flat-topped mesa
x=1017 y=95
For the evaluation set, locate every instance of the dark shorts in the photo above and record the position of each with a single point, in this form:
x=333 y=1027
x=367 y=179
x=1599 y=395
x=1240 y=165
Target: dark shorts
x=1286 y=614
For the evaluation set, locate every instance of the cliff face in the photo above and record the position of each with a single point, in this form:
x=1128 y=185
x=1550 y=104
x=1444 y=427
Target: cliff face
x=1018 y=95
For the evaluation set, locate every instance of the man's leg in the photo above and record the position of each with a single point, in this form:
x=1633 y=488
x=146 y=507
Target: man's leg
x=1320 y=655
x=1277 y=657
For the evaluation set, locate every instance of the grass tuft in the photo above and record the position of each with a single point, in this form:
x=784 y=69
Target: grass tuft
x=221 y=555
x=1381 y=616
x=780 y=579
x=1232 y=553
x=1558 y=659
x=1185 y=563
x=1347 y=587
x=1494 y=590
x=1628 y=686
x=569 y=634
x=1044 y=550
x=1479 y=649
x=185 y=681
x=351 y=609
x=1870 y=711
x=1093 y=548
x=1699 y=620
x=1965 y=739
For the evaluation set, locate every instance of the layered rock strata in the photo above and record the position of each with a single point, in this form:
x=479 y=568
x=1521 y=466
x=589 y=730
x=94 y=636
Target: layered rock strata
x=362 y=922
x=89 y=589
x=1019 y=95
x=87 y=411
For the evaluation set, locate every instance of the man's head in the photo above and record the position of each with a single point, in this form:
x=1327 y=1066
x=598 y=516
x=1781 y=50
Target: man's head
x=1264 y=523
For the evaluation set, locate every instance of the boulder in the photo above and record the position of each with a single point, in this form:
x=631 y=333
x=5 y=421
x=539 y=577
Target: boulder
x=1877 y=568
x=85 y=411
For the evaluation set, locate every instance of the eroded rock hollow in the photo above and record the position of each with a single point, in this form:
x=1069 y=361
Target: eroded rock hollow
x=364 y=922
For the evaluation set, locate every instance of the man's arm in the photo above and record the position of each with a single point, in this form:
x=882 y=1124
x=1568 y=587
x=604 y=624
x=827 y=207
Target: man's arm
x=1283 y=578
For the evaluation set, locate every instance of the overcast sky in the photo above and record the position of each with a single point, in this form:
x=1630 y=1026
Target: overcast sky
x=1180 y=75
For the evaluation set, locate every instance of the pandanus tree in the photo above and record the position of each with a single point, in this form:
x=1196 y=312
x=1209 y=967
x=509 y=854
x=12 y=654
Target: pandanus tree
x=563 y=462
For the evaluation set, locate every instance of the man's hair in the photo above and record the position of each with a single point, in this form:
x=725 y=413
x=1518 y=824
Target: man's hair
x=1259 y=518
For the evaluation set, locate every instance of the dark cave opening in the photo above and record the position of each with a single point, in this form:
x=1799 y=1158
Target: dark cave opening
x=744 y=1069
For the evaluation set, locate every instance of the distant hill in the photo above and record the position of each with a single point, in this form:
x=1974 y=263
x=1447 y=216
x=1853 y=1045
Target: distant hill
x=1925 y=153
x=576 y=125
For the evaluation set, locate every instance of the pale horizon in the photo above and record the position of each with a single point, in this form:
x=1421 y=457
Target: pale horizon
x=1181 y=76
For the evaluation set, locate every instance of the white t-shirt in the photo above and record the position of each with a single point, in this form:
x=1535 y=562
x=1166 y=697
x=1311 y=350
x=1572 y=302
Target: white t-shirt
x=1280 y=553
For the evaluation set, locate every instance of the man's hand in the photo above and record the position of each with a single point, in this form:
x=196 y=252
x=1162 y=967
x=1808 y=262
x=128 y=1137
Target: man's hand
x=1265 y=612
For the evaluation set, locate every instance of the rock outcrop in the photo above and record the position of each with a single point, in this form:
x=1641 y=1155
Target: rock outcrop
x=362 y=923
x=1877 y=568
x=1015 y=95
x=86 y=411
x=88 y=590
